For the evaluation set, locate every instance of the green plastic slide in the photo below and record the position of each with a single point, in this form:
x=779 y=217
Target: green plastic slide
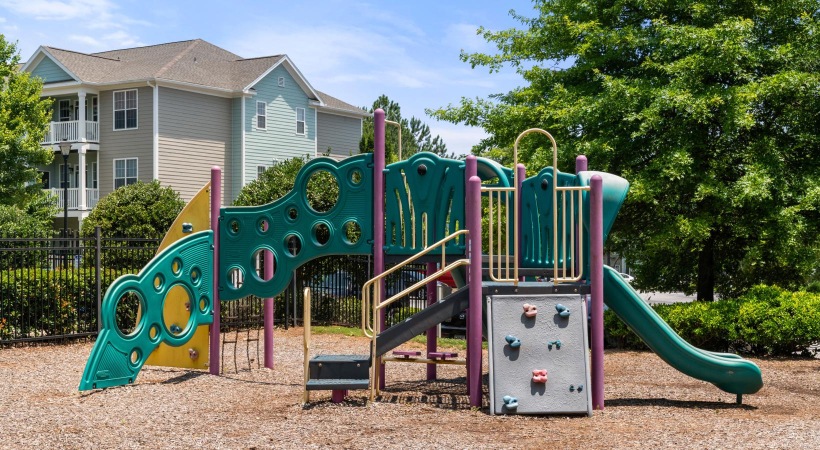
x=728 y=372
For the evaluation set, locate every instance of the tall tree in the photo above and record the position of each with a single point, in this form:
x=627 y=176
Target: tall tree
x=24 y=117
x=415 y=134
x=709 y=108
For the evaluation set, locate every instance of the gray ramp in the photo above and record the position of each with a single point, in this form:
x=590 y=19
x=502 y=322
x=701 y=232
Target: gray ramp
x=398 y=334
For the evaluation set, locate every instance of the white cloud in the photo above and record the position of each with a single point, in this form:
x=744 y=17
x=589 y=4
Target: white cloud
x=59 y=10
x=463 y=36
x=459 y=139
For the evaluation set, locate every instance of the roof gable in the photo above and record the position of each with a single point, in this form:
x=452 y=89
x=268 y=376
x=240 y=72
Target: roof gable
x=42 y=64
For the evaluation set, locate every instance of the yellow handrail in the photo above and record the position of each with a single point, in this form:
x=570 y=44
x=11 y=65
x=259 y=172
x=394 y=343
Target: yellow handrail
x=368 y=306
x=499 y=261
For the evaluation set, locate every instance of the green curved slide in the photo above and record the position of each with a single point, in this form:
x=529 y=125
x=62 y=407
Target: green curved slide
x=728 y=372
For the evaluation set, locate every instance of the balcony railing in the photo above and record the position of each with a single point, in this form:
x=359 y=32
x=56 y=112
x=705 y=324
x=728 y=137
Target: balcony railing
x=70 y=131
x=91 y=197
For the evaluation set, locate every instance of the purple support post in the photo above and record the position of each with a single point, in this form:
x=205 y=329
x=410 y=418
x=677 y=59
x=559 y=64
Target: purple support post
x=580 y=163
x=432 y=332
x=473 y=219
x=596 y=266
x=378 y=216
x=520 y=174
x=268 y=311
x=470 y=170
x=216 y=203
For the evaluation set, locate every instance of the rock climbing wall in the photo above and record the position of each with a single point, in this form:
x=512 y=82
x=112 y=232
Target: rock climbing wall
x=539 y=362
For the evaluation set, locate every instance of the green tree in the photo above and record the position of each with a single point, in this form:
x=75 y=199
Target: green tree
x=24 y=117
x=415 y=134
x=273 y=184
x=709 y=108
x=136 y=210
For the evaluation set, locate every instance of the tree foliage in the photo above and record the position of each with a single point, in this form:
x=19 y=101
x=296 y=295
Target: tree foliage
x=322 y=188
x=136 y=210
x=415 y=134
x=709 y=108
x=24 y=117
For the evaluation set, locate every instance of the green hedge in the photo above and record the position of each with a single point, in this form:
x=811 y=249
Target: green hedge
x=40 y=302
x=767 y=321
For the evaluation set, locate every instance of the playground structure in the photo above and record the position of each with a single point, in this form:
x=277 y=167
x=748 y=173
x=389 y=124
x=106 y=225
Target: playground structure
x=423 y=209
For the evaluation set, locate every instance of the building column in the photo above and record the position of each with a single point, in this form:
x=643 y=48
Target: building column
x=81 y=176
x=81 y=124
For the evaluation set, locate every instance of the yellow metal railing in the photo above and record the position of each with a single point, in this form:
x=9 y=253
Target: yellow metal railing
x=572 y=240
x=371 y=326
x=503 y=265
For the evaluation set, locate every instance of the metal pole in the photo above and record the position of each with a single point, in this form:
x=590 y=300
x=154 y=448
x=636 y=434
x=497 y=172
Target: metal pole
x=65 y=210
x=580 y=163
x=473 y=210
x=216 y=203
x=520 y=174
x=378 y=218
x=268 y=311
x=470 y=170
x=432 y=337
x=97 y=276
x=596 y=266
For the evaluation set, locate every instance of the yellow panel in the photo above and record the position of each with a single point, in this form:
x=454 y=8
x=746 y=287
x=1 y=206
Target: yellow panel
x=197 y=213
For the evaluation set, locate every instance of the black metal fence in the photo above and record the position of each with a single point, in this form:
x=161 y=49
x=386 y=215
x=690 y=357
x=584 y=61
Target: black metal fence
x=51 y=287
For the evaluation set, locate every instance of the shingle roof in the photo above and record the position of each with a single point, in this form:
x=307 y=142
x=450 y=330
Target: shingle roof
x=334 y=103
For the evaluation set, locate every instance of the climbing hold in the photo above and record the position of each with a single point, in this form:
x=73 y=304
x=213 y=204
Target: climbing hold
x=530 y=310
x=193 y=354
x=187 y=227
x=539 y=375
x=513 y=341
x=564 y=313
x=175 y=329
x=510 y=402
x=572 y=388
x=559 y=307
x=556 y=343
x=580 y=387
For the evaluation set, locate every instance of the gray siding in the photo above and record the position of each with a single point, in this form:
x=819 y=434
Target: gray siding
x=50 y=72
x=236 y=150
x=279 y=139
x=137 y=143
x=194 y=135
x=339 y=133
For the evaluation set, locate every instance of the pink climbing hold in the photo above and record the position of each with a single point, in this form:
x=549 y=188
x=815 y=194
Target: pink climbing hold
x=530 y=310
x=539 y=376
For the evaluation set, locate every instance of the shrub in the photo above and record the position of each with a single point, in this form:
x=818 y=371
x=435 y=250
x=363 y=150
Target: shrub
x=140 y=209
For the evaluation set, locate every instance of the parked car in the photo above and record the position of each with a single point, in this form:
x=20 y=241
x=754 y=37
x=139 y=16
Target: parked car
x=627 y=277
x=337 y=285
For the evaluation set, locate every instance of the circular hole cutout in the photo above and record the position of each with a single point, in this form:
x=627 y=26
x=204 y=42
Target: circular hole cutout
x=235 y=277
x=261 y=258
x=293 y=244
x=322 y=191
x=353 y=232
x=176 y=310
x=293 y=213
x=356 y=177
x=544 y=184
x=262 y=225
x=176 y=266
x=233 y=227
x=196 y=276
x=422 y=169
x=128 y=306
x=134 y=358
x=204 y=303
x=321 y=233
x=153 y=333
x=159 y=281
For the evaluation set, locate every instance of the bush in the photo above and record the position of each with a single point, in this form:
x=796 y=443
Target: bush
x=766 y=321
x=140 y=209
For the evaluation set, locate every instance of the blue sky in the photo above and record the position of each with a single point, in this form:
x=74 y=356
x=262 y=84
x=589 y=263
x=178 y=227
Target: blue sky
x=353 y=50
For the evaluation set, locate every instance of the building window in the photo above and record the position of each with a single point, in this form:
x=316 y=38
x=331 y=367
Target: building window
x=91 y=176
x=94 y=110
x=65 y=110
x=300 y=120
x=281 y=81
x=125 y=172
x=260 y=170
x=261 y=115
x=125 y=109
x=45 y=179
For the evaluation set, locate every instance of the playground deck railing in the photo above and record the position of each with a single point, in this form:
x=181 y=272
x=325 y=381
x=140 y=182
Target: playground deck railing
x=503 y=258
x=571 y=240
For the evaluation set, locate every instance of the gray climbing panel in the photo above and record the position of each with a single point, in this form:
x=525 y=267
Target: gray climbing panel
x=539 y=362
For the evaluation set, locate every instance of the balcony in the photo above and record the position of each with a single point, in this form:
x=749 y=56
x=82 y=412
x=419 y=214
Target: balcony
x=91 y=197
x=70 y=131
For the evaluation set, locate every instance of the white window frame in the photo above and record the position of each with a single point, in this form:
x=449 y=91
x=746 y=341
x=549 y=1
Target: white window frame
x=303 y=122
x=136 y=170
x=73 y=175
x=67 y=103
x=95 y=109
x=281 y=81
x=126 y=109
x=91 y=175
x=260 y=169
x=44 y=172
x=264 y=116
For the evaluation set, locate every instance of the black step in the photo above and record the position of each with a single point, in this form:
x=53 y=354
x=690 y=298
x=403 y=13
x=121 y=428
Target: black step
x=338 y=383
x=416 y=324
x=334 y=367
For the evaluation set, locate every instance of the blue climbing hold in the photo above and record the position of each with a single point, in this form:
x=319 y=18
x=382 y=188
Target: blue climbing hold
x=513 y=341
x=559 y=307
x=510 y=403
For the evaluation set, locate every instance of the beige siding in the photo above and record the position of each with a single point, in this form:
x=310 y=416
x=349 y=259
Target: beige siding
x=194 y=135
x=136 y=143
x=339 y=133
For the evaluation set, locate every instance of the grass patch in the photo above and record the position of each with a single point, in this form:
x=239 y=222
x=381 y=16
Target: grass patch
x=335 y=329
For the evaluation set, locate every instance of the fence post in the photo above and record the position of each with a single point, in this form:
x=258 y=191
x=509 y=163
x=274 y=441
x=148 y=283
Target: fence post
x=97 y=277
